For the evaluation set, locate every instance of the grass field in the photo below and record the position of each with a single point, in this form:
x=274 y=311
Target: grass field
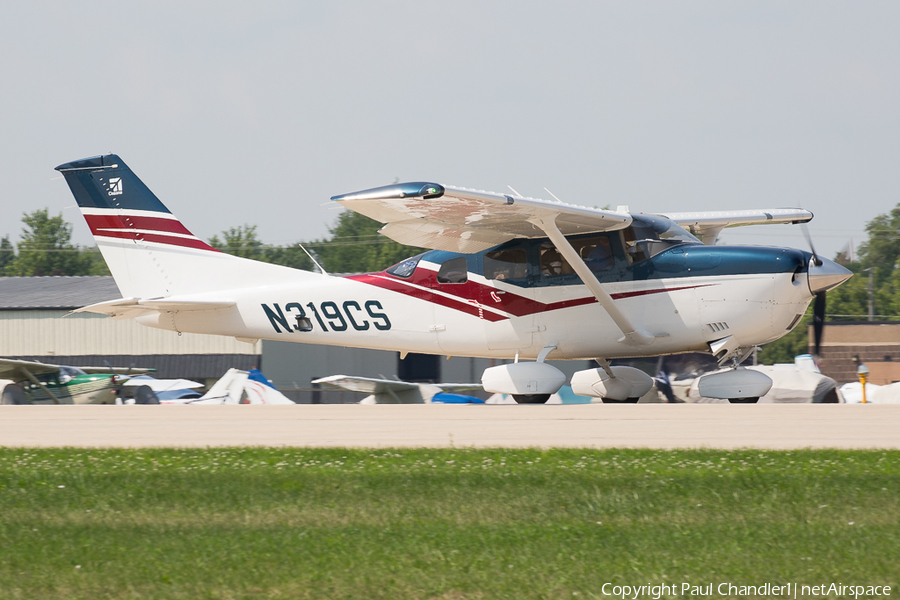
x=449 y=524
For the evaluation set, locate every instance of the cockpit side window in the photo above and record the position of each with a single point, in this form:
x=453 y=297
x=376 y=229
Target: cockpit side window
x=551 y=261
x=405 y=268
x=506 y=263
x=453 y=271
x=596 y=251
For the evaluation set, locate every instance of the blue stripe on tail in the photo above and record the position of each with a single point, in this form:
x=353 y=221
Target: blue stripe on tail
x=107 y=182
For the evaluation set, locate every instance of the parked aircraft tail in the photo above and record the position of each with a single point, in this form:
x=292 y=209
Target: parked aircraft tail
x=239 y=387
x=150 y=253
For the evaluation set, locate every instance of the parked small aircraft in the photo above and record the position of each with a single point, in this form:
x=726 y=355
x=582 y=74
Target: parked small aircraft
x=391 y=391
x=508 y=277
x=238 y=387
x=30 y=382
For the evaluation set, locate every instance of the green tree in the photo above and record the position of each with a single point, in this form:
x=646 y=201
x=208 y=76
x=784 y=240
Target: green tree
x=7 y=253
x=785 y=349
x=356 y=246
x=95 y=262
x=240 y=241
x=288 y=256
x=45 y=249
x=882 y=248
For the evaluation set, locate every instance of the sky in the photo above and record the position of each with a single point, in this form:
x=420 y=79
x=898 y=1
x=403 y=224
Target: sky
x=257 y=113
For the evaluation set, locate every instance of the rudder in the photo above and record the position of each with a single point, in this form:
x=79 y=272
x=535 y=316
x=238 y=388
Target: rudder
x=150 y=253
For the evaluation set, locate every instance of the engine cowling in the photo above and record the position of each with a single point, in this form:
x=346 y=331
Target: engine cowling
x=628 y=383
x=524 y=378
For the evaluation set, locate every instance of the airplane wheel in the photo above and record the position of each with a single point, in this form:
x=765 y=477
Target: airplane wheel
x=13 y=394
x=531 y=398
x=744 y=400
x=625 y=401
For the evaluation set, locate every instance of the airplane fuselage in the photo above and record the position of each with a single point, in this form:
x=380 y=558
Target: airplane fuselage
x=687 y=296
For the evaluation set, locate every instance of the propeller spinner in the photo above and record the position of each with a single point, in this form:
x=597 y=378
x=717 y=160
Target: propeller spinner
x=823 y=275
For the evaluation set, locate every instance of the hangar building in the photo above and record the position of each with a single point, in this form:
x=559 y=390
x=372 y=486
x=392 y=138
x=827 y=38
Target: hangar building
x=846 y=345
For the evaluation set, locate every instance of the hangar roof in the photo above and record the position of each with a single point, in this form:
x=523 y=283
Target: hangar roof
x=55 y=293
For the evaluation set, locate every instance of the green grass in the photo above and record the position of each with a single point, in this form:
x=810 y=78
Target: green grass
x=445 y=524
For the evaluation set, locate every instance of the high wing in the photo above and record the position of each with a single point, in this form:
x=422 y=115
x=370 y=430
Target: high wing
x=430 y=215
x=366 y=385
x=15 y=369
x=708 y=225
x=116 y=370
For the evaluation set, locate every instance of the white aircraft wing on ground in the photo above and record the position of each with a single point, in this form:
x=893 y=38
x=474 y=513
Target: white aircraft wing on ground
x=162 y=385
x=391 y=391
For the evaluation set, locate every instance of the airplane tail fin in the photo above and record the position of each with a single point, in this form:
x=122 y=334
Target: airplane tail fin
x=240 y=387
x=150 y=253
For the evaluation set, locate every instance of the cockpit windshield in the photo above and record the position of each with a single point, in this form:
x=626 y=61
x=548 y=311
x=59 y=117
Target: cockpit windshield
x=405 y=268
x=649 y=235
x=67 y=374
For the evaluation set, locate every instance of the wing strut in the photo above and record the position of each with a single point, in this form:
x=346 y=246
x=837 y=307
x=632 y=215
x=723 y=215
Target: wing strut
x=38 y=383
x=632 y=335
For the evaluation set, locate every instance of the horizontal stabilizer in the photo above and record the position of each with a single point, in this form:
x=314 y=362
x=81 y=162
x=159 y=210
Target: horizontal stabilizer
x=132 y=307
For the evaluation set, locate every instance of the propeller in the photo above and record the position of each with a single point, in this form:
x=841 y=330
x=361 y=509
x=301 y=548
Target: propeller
x=835 y=275
x=815 y=257
x=818 y=321
x=112 y=369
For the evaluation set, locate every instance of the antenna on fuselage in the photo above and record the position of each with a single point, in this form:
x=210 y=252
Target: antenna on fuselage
x=313 y=258
x=554 y=196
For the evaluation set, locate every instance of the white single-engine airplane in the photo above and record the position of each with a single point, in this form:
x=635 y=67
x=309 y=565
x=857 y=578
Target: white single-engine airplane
x=507 y=277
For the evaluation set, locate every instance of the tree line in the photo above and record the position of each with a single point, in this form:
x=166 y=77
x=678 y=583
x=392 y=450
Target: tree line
x=876 y=278
x=355 y=246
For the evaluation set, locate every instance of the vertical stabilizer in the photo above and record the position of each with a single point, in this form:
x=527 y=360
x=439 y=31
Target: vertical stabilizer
x=150 y=253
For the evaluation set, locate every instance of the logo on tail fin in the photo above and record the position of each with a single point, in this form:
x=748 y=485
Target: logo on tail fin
x=115 y=186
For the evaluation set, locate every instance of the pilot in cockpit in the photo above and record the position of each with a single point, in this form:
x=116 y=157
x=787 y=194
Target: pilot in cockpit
x=551 y=262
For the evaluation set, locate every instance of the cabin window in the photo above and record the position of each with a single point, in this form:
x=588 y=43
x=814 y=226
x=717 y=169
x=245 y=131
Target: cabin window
x=552 y=263
x=595 y=251
x=406 y=267
x=453 y=271
x=634 y=252
x=509 y=263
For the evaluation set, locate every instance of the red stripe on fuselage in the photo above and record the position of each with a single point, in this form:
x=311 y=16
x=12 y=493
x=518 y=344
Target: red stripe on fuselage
x=460 y=303
x=468 y=295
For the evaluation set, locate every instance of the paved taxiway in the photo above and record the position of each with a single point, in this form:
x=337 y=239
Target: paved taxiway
x=599 y=426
